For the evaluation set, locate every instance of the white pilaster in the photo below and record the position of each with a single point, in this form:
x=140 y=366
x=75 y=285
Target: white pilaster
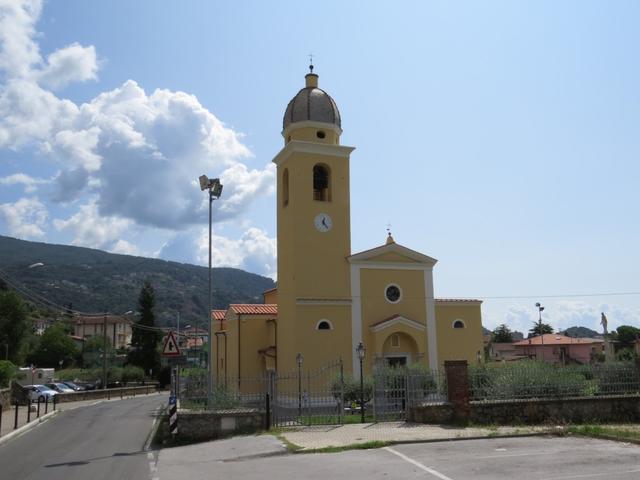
x=356 y=316
x=432 y=339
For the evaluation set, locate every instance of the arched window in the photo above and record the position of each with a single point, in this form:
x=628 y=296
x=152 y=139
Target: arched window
x=458 y=324
x=395 y=340
x=324 y=325
x=321 y=183
x=285 y=187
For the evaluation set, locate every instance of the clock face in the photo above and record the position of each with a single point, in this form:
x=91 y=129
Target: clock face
x=323 y=222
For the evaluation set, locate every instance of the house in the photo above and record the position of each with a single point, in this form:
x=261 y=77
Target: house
x=555 y=348
x=505 y=352
x=118 y=328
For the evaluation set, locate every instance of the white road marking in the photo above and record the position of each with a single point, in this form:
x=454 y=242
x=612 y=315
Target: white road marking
x=418 y=464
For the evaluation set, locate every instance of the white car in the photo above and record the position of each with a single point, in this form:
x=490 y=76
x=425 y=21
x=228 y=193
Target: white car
x=40 y=392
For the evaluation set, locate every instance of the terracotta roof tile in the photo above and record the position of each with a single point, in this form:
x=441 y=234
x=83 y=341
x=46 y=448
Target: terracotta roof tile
x=554 y=339
x=458 y=300
x=218 y=314
x=254 y=308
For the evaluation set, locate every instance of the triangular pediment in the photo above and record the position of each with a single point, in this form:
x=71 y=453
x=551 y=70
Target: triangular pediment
x=396 y=320
x=391 y=253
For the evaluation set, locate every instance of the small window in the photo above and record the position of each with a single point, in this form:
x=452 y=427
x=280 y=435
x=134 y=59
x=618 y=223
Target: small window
x=395 y=340
x=458 y=324
x=285 y=187
x=321 y=183
x=393 y=293
x=324 y=325
x=320 y=134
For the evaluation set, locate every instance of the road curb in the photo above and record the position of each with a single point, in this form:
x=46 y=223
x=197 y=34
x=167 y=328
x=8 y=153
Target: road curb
x=29 y=426
x=355 y=446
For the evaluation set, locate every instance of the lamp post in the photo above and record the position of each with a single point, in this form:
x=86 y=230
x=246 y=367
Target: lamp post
x=299 y=360
x=540 y=309
x=214 y=187
x=361 y=350
x=104 y=353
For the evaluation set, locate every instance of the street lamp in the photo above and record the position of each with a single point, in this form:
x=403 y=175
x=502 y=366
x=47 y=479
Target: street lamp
x=361 y=350
x=540 y=309
x=299 y=360
x=214 y=187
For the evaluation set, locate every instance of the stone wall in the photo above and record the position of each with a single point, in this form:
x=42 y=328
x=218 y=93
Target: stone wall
x=108 y=393
x=437 y=414
x=199 y=426
x=5 y=397
x=621 y=408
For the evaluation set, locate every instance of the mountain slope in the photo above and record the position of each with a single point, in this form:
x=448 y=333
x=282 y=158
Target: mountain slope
x=96 y=281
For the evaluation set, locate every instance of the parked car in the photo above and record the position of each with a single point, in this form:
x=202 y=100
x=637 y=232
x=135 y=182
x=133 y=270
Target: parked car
x=87 y=385
x=59 y=387
x=40 y=392
x=74 y=386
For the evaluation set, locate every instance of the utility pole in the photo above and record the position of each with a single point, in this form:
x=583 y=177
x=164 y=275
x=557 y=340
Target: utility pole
x=104 y=353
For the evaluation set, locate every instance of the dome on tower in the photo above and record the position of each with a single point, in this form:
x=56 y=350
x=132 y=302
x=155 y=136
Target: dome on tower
x=311 y=104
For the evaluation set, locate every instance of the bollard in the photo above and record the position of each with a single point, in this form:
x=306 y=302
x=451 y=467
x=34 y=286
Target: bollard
x=29 y=411
x=134 y=392
x=267 y=408
x=0 y=419
x=108 y=394
x=46 y=404
x=38 y=414
x=120 y=394
x=55 y=399
x=15 y=420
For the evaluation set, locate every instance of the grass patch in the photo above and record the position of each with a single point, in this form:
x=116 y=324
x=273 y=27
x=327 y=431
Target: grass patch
x=613 y=432
x=353 y=446
x=334 y=419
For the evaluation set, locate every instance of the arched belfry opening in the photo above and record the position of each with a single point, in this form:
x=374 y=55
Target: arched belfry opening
x=321 y=183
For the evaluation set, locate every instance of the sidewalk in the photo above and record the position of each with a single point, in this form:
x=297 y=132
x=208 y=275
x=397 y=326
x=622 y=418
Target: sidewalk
x=8 y=415
x=315 y=437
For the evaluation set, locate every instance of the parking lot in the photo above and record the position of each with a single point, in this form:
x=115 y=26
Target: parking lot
x=524 y=458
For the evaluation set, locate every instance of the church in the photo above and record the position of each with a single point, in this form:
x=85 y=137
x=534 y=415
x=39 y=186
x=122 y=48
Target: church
x=328 y=299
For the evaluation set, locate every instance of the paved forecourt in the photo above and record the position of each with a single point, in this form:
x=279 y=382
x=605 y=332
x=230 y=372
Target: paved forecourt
x=524 y=458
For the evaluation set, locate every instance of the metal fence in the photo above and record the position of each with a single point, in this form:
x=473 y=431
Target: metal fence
x=325 y=396
x=531 y=379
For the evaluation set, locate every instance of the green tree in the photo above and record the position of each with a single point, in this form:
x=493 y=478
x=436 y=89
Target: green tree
x=502 y=334
x=55 y=346
x=14 y=326
x=144 y=341
x=540 y=329
x=93 y=347
x=627 y=334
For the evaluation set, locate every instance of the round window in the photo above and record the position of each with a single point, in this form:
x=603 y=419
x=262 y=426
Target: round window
x=393 y=293
x=320 y=134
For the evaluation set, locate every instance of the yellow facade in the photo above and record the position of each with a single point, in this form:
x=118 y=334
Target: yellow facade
x=328 y=300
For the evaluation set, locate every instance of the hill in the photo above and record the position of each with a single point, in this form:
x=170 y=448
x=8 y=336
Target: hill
x=95 y=281
x=581 y=332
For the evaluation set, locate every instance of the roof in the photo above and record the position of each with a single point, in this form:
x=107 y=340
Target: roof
x=555 y=339
x=394 y=320
x=470 y=301
x=270 y=290
x=254 y=308
x=311 y=104
x=99 y=319
x=218 y=314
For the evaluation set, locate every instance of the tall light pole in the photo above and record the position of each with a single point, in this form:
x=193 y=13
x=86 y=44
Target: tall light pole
x=214 y=187
x=540 y=309
x=104 y=353
x=361 y=351
x=299 y=360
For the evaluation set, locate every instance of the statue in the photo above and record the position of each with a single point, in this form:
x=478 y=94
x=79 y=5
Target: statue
x=604 y=322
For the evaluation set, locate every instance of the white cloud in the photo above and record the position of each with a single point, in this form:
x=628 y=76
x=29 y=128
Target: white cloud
x=562 y=314
x=25 y=218
x=90 y=229
x=29 y=183
x=136 y=155
x=254 y=250
x=74 y=63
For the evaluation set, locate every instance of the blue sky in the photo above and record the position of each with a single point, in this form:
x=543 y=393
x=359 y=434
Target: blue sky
x=500 y=137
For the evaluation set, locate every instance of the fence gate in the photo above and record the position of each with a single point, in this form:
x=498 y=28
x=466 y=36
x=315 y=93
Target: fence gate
x=308 y=398
x=396 y=389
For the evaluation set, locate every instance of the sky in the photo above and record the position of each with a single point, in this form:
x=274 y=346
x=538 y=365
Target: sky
x=500 y=137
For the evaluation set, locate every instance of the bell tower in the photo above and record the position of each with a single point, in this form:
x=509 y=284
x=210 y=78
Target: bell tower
x=314 y=236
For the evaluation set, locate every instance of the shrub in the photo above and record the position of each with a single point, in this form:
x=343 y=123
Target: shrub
x=351 y=389
x=131 y=373
x=7 y=373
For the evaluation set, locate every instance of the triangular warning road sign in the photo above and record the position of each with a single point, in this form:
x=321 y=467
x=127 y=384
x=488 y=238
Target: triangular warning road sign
x=170 y=347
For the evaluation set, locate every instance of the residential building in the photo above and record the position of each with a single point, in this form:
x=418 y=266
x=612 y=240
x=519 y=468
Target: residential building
x=555 y=348
x=118 y=328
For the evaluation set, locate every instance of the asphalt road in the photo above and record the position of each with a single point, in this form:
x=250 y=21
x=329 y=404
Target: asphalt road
x=103 y=441
x=527 y=458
